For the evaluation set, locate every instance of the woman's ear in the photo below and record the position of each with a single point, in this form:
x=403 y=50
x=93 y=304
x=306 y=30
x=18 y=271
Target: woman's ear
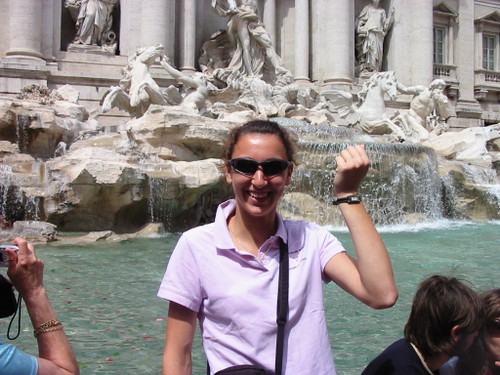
x=227 y=172
x=289 y=173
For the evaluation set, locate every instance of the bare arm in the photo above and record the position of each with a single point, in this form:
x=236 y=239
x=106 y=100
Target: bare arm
x=369 y=276
x=181 y=326
x=412 y=90
x=56 y=357
x=179 y=76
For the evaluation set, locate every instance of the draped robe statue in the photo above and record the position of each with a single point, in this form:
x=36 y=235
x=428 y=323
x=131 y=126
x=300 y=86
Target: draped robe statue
x=372 y=25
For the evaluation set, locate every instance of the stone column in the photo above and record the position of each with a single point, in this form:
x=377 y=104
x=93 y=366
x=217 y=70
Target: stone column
x=302 y=51
x=478 y=44
x=130 y=38
x=25 y=24
x=269 y=19
x=421 y=41
x=467 y=105
x=333 y=45
x=51 y=29
x=187 y=35
x=408 y=46
x=156 y=25
x=451 y=44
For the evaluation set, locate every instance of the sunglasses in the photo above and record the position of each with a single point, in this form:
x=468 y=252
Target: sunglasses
x=247 y=166
x=495 y=324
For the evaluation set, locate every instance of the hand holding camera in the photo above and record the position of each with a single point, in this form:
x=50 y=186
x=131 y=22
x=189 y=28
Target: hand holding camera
x=25 y=270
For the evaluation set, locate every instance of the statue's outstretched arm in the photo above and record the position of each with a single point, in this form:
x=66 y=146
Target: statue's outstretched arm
x=178 y=75
x=412 y=90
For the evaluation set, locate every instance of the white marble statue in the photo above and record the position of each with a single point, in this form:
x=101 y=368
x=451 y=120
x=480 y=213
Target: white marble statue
x=311 y=107
x=369 y=114
x=251 y=43
x=372 y=25
x=93 y=21
x=427 y=107
x=137 y=90
x=194 y=90
x=255 y=95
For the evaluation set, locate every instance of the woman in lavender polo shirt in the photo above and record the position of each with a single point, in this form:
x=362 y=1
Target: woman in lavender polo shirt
x=225 y=274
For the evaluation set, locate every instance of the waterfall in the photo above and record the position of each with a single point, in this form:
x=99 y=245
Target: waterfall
x=485 y=179
x=403 y=184
x=23 y=122
x=5 y=184
x=482 y=177
x=17 y=203
x=11 y=196
x=159 y=211
x=163 y=194
x=32 y=208
x=403 y=181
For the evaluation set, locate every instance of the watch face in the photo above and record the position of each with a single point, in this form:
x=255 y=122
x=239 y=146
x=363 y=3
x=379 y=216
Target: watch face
x=349 y=199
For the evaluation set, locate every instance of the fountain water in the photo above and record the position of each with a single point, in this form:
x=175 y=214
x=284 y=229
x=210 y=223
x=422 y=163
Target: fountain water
x=159 y=206
x=15 y=203
x=402 y=186
x=165 y=169
x=23 y=122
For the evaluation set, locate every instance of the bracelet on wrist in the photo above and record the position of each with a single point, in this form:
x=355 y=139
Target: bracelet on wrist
x=49 y=326
x=350 y=199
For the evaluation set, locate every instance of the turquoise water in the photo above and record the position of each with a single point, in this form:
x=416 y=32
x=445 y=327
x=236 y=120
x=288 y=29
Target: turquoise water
x=105 y=294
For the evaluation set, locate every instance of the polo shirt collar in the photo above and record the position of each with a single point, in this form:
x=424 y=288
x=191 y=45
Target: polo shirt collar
x=223 y=239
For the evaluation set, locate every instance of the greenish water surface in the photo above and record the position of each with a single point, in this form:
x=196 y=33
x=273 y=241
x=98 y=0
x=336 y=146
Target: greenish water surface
x=105 y=294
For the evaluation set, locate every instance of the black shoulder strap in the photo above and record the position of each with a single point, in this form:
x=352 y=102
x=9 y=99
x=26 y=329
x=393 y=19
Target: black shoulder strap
x=282 y=313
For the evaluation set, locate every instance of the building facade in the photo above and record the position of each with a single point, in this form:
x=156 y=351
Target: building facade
x=455 y=40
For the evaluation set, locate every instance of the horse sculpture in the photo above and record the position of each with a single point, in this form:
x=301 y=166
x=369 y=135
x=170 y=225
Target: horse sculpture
x=369 y=115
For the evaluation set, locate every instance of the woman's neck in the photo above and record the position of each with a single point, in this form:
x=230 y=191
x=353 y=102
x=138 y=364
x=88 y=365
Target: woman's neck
x=249 y=233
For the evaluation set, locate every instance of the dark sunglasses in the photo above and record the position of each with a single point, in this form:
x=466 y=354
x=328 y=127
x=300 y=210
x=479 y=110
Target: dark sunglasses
x=494 y=325
x=247 y=166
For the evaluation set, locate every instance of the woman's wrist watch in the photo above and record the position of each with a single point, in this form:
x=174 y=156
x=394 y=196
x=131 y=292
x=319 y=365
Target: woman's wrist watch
x=350 y=199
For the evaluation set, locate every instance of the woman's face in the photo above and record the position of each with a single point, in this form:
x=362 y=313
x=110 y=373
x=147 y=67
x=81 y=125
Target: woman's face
x=258 y=195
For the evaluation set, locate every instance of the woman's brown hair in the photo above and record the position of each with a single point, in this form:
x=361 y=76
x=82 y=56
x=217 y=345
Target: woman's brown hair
x=259 y=127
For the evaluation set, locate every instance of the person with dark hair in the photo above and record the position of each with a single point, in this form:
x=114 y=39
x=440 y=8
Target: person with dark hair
x=443 y=322
x=225 y=274
x=483 y=356
x=55 y=355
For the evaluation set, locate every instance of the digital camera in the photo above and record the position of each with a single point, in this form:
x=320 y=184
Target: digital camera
x=4 y=256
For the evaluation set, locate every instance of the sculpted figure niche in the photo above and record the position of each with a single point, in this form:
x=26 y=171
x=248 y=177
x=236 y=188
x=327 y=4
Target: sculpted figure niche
x=372 y=25
x=252 y=49
x=94 y=20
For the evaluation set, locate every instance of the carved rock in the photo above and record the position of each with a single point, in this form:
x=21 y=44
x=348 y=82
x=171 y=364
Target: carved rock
x=468 y=145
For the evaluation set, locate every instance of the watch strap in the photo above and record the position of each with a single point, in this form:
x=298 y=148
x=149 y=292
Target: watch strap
x=350 y=199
